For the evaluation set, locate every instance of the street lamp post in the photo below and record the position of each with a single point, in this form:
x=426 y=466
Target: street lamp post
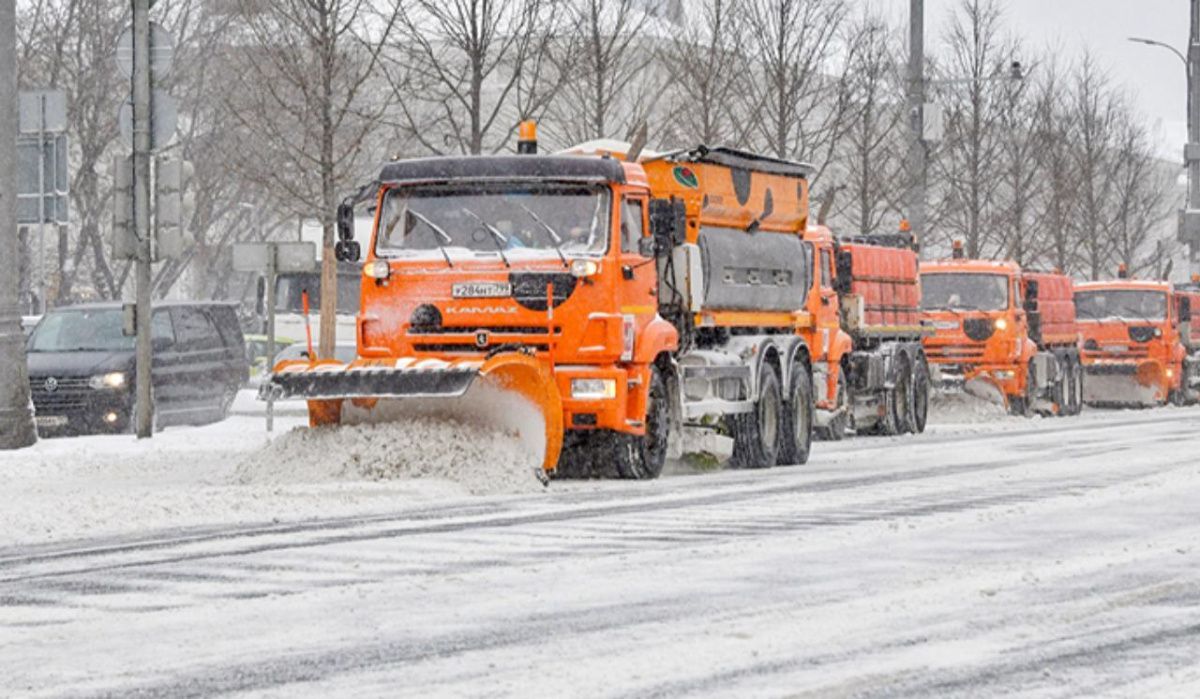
x=1189 y=219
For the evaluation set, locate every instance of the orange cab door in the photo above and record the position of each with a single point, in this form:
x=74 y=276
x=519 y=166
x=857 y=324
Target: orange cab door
x=826 y=310
x=637 y=282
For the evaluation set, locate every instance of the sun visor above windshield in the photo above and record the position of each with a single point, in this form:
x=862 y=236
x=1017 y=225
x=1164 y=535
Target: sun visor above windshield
x=503 y=167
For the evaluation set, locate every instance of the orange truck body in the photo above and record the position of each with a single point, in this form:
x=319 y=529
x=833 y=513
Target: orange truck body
x=871 y=375
x=1020 y=337
x=1134 y=347
x=693 y=306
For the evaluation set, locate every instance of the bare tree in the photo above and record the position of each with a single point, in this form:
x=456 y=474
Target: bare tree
x=967 y=162
x=873 y=150
x=300 y=98
x=1096 y=113
x=1142 y=201
x=466 y=72
x=1054 y=226
x=606 y=62
x=797 y=102
x=707 y=71
x=1019 y=173
x=69 y=44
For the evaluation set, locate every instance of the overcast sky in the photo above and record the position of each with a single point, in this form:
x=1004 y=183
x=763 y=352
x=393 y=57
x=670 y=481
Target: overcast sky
x=1154 y=76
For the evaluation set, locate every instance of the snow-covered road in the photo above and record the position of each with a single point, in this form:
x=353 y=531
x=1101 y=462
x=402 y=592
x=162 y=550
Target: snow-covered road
x=1050 y=558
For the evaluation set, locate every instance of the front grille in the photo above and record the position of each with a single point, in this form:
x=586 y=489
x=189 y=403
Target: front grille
x=463 y=348
x=472 y=329
x=954 y=352
x=68 y=393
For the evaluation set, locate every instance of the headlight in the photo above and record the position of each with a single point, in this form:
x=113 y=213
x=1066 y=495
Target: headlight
x=113 y=380
x=1004 y=374
x=377 y=269
x=1001 y=324
x=593 y=389
x=584 y=268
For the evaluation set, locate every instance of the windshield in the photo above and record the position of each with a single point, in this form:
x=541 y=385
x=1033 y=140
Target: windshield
x=518 y=218
x=79 y=331
x=1122 y=304
x=964 y=292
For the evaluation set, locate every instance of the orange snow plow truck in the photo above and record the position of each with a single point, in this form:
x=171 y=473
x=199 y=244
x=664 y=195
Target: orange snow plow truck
x=1004 y=334
x=585 y=301
x=1137 y=340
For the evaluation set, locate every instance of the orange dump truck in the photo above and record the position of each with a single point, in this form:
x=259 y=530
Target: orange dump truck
x=614 y=300
x=1005 y=333
x=1134 y=342
x=871 y=375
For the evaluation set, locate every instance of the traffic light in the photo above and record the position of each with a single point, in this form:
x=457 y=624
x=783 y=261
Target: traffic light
x=125 y=242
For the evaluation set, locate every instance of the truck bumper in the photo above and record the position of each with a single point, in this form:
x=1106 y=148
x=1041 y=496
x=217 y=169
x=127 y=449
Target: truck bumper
x=601 y=397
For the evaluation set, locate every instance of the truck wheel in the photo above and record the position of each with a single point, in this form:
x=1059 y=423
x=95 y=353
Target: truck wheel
x=920 y=397
x=898 y=400
x=642 y=457
x=797 y=423
x=836 y=430
x=756 y=435
x=1077 y=379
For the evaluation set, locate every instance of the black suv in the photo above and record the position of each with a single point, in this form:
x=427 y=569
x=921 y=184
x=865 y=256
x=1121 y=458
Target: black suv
x=81 y=366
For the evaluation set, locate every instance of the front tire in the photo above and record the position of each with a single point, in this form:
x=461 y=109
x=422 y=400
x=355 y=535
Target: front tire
x=920 y=397
x=898 y=400
x=641 y=457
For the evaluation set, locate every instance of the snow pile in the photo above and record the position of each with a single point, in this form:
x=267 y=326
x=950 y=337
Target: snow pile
x=963 y=408
x=480 y=459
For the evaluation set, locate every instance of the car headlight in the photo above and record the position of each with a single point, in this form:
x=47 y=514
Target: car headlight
x=1001 y=324
x=111 y=380
x=593 y=389
x=581 y=269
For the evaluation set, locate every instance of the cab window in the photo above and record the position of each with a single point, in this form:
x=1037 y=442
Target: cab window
x=632 y=224
x=826 y=270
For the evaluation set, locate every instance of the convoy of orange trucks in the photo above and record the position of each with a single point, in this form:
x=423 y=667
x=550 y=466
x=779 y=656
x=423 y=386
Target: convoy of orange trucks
x=1004 y=331
x=622 y=296
x=597 y=301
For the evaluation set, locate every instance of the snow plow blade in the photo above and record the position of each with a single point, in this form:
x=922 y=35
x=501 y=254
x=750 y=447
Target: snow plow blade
x=513 y=391
x=1126 y=385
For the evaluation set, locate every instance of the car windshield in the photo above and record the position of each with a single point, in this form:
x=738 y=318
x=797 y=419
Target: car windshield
x=80 y=330
x=1122 y=304
x=518 y=218
x=964 y=292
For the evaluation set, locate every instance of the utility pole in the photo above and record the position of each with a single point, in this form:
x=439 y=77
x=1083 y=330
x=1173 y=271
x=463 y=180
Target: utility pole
x=16 y=419
x=1192 y=150
x=141 y=213
x=916 y=110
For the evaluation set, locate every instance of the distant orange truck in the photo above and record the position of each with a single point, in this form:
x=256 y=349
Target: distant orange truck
x=1136 y=334
x=1001 y=328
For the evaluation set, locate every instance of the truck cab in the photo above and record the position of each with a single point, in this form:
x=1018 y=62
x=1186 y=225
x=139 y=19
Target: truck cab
x=1133 y=350
x=545 y=254
x=981 y=329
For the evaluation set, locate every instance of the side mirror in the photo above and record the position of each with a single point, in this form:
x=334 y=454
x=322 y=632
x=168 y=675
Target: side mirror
x=1185 y=309
x=668 y=222
x=647 y=246
x=347 y=251
x=260 y=297
x=345 y=220
x=1031 y=295
x=844 y=271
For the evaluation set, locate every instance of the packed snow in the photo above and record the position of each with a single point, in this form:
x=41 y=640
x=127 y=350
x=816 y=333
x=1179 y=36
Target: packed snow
x=480 y=459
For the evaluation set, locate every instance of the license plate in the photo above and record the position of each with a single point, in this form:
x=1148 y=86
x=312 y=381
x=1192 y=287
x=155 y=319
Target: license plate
x=945 y=324
x=482 y=290
x=50 y=421
x=1117 y=348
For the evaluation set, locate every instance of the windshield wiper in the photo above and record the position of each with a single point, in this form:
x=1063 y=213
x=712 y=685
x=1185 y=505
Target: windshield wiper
x=497 y=237
x=441 y=233
x=554 y=236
